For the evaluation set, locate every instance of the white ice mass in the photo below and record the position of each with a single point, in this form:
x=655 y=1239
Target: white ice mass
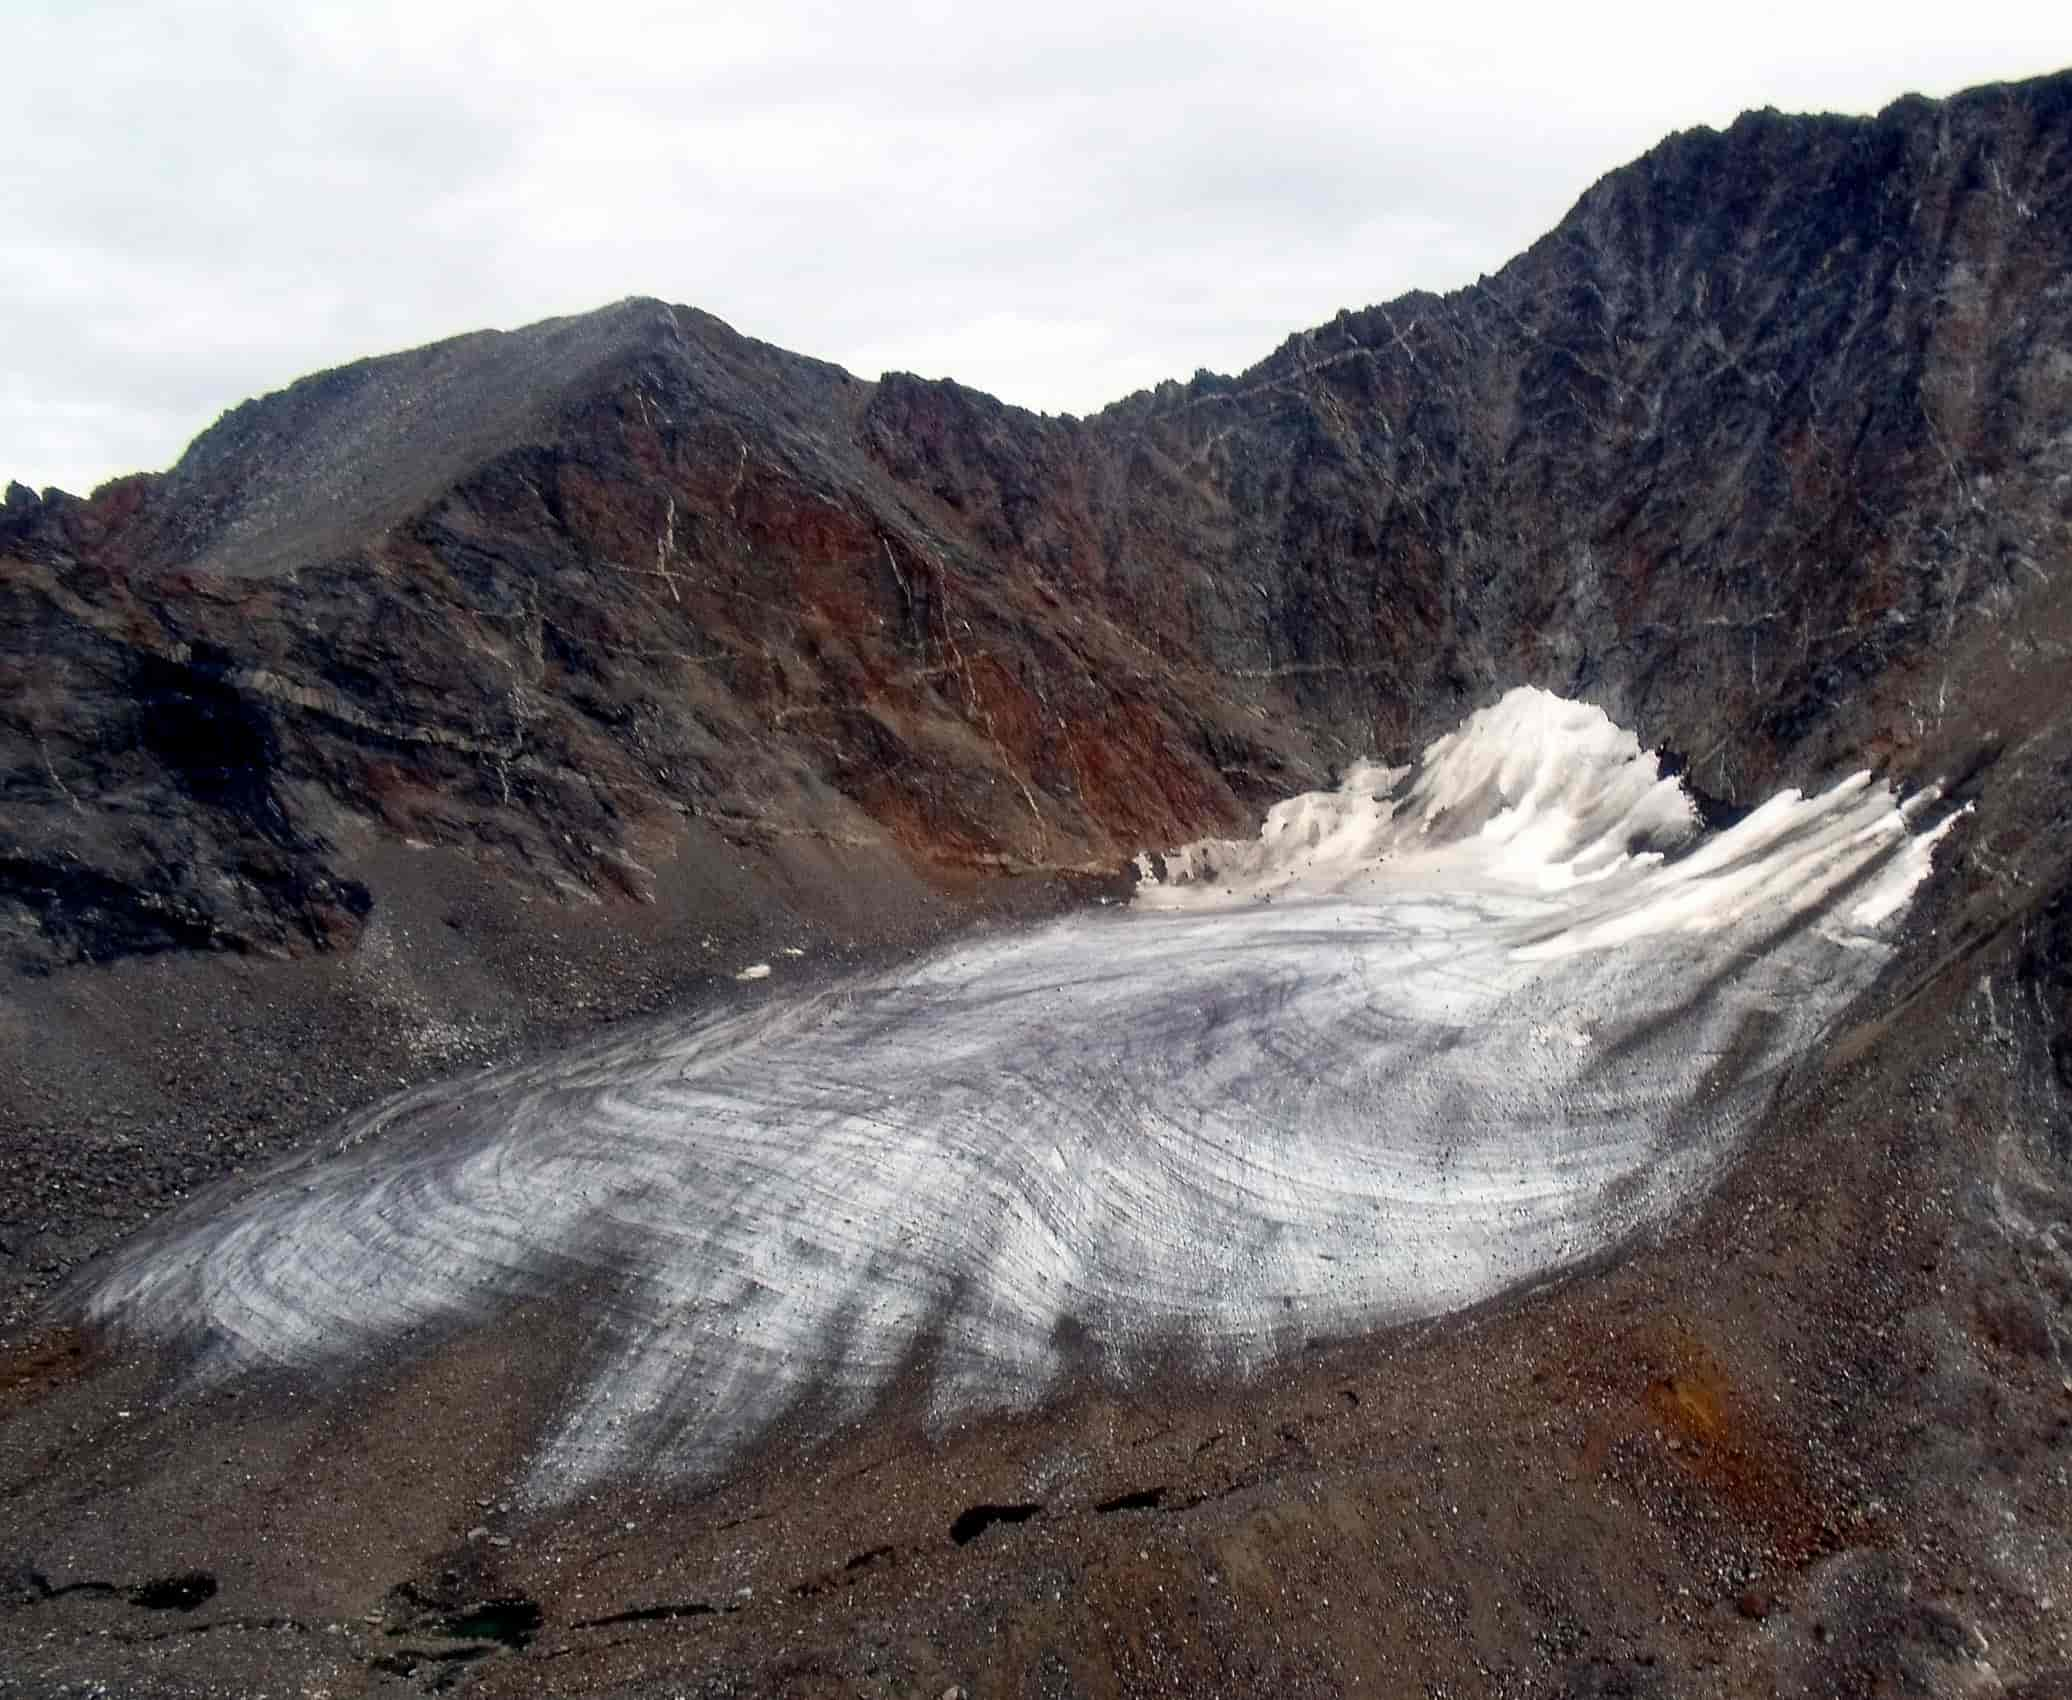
x=1445 y=1029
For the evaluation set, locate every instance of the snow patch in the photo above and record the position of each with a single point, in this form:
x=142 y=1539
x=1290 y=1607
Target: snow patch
x=1539 y=796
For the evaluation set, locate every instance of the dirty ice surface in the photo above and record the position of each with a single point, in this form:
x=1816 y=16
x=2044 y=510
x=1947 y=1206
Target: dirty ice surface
x=1445 y=1029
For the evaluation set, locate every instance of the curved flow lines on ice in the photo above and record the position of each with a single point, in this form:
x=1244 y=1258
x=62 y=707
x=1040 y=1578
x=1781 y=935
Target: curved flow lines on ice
x=1435 y=1033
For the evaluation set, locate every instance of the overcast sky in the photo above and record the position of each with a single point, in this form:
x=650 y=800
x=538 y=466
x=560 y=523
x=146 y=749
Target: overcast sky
x=1059 y=201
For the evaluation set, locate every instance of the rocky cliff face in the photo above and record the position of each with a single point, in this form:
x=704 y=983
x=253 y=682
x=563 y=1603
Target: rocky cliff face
x=1735 y=451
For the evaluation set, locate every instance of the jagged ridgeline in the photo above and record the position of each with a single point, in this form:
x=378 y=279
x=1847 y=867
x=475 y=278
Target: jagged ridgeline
x=1742 y=452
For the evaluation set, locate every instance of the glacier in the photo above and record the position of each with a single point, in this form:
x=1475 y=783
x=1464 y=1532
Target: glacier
x=1447 y=1029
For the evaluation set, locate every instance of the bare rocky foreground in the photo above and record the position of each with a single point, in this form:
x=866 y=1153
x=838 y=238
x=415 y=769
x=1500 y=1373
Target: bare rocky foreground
x=442 y=708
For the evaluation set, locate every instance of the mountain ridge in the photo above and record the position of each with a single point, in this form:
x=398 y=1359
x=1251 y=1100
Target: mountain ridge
x=1167 y=392
x=1628 y=467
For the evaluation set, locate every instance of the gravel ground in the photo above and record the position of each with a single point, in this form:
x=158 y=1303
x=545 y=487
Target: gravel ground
x=1814 y=1441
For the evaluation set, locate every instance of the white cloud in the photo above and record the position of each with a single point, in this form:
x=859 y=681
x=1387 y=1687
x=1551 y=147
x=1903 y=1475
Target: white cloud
x=1056 y=203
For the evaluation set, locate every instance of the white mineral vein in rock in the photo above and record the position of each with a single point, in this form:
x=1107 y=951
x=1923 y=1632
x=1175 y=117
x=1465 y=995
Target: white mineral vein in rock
x=1436 y=1033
